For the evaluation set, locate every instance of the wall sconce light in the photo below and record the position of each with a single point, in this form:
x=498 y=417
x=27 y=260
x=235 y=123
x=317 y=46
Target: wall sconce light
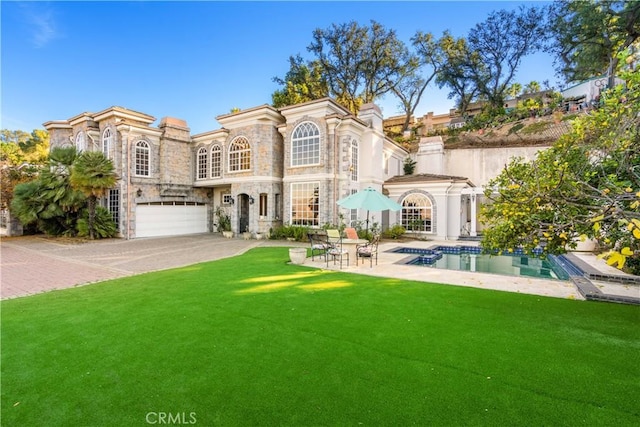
x=251 y=200
x=139 y=192
x=231 y=200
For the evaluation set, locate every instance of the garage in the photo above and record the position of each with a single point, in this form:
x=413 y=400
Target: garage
x=170 y=219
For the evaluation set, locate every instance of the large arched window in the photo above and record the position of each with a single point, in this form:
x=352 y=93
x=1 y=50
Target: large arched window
x=305 y=145
x=81 y=145
x=239 y=155
x=417 y=213
x=216 y=161
x=142 y=161
x=107 y=143
x=203 y=167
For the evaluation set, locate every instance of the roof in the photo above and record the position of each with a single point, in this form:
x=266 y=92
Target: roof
x=426 y=177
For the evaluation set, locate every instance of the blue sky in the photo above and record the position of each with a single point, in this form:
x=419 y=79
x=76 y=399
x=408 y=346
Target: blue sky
x=193 y=60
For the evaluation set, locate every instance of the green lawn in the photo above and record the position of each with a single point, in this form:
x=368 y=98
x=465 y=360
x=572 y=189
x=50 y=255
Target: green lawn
x=251 y=340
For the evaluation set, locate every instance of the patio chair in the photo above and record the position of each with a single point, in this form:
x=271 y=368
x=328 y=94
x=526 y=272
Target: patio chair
x=319 y=245
x=368 y=250
x=351 y=233
x=336 y=249
x=333 y=236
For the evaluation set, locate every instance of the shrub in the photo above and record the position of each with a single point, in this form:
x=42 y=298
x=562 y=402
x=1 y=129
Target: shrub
x=104 y=226
x=394 y=232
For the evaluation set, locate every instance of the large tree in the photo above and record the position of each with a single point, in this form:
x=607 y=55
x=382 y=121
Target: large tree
x=500 y=43
x=586 y=185
x=303 y=82
x=94 y=175
x=422 y=69
x=588 y=35
x=360 y=63
x=456 y=74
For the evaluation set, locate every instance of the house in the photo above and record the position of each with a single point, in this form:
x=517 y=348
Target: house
x=586 y=94
x=268 y=167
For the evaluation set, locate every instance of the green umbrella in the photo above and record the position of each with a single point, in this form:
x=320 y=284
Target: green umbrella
x=369 y=199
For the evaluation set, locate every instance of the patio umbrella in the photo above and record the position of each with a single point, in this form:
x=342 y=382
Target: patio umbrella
x=369 y=199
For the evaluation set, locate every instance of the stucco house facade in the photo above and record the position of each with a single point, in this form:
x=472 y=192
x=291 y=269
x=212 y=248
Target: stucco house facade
x=267 y=167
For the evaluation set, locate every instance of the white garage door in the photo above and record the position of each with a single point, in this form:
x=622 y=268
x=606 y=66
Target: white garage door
x=170 y=219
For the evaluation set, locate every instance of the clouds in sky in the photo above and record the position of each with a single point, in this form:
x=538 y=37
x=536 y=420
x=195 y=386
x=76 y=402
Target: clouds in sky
x=41 y=21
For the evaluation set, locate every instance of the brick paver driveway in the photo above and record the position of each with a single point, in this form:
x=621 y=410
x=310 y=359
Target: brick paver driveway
x=33 y=264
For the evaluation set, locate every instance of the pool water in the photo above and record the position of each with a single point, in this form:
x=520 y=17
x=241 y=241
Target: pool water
x=470 y=259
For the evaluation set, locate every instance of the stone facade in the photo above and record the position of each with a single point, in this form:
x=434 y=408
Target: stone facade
x=258 y=168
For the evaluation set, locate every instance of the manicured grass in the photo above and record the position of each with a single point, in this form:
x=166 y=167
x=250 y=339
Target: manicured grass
x=250 y=341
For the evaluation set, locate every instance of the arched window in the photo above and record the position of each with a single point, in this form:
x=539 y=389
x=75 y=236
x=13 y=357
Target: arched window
x=107 y=143
x=239 y=155
x=216 y=161
x=417 y=213
x=354 y=161
x=80 y=142
x=203 y=167
x=142 y=161
x=305 y=145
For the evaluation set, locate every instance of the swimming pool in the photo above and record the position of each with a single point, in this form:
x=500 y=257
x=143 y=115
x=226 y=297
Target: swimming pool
x=471 y=258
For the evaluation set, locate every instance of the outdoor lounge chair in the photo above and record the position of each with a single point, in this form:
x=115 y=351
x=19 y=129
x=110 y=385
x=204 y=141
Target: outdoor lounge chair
x=369 y=250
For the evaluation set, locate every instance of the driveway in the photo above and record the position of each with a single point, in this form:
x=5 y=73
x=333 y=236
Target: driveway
x=34 y=264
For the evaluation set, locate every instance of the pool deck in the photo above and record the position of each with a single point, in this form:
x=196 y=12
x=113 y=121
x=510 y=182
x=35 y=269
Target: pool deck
x=390 y=265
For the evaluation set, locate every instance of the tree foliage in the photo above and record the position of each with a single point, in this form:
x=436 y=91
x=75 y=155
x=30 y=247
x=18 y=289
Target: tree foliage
x=587 y=185
x=354 y=64
x=52 y=202
x=303 y=82
x=422 y=69
x=456 y=75
x=500 y=43
x=21 y=157
x=93 y=174
x=587 y=36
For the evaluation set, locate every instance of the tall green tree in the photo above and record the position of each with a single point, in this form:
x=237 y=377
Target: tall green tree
x=500 y=43
x=94 y=175
x=359 y=63
x=588 y=35
x=457 y=75
x=303 y=82
x=422 y=69
x=586 y=185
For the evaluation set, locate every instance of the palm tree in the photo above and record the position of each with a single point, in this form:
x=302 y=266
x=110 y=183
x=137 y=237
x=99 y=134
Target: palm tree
x=93 y=174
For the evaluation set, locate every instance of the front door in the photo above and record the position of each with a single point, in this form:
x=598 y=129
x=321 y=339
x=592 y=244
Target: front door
x=243 y=213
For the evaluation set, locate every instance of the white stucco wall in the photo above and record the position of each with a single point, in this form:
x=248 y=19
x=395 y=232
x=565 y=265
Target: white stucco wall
x=482 y=164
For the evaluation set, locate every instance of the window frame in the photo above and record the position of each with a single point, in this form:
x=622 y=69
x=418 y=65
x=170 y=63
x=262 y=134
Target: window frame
x=306 y=140
x=407 y=217
x=216 y=161
x=315 y=210
x=239 y=157
x=142 y=158
x=202 y=163
x=107 y=143
x=80 y=142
